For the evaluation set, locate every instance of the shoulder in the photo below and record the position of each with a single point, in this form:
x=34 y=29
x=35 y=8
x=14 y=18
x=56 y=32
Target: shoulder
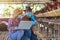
x=10 y=19
x=29 y=14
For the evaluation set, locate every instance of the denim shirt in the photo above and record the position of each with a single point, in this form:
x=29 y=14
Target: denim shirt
x=31 y=15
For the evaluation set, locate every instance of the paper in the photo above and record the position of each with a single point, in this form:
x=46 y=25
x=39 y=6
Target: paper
x=24 y=25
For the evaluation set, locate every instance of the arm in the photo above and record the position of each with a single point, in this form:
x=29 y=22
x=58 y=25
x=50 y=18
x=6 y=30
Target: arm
x=9 y=23
x=31 y=15
x=34 y=20
x=6 y=23
x=9 y=27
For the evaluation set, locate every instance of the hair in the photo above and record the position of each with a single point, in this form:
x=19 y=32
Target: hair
x=17 y=12
x=28 y=9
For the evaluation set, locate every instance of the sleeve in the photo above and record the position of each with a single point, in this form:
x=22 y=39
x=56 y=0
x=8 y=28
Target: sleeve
x=9 y=22
x=34 y=20
x=31 y=15
x=12 y=23
x=9 y=27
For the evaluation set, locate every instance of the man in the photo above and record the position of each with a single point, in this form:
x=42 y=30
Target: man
x=28 y=34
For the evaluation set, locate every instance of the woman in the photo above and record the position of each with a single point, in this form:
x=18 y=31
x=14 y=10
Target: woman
x=12 y=23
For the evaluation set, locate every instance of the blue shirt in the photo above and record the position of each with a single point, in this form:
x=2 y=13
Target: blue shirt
x=31 y=15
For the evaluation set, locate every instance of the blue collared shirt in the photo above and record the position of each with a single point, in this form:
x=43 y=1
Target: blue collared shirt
x=31 y=15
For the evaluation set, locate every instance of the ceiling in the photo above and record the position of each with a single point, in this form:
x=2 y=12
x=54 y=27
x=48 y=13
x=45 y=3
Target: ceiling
x=24 y=1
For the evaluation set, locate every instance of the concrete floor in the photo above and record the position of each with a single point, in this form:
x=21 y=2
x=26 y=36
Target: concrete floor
x=4 y=35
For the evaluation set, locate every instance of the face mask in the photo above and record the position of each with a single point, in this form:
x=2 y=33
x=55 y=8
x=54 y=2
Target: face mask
x=19 y=16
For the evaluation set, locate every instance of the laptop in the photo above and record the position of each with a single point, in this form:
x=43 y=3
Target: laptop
x=24 y=25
